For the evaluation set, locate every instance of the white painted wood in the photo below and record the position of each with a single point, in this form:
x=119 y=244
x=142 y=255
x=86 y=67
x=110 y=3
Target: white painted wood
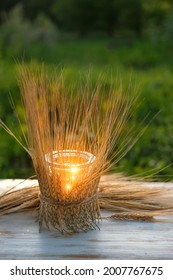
x=20 y=238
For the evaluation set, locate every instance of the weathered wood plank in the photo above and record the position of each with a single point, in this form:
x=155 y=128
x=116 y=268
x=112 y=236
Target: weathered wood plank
x=20 y=239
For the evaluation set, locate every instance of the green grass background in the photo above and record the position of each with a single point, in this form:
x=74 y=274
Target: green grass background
x=145 y=63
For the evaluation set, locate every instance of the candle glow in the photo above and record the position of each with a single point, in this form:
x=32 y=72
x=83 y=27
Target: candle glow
x=68 y=187
x=74 y=170
x=70 y=165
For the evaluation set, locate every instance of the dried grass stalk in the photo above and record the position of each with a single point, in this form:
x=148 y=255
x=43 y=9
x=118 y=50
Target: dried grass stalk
x=61 y=119
x=132 y=217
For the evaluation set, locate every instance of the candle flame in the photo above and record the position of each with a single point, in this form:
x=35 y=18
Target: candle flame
x=74 y=169
x=68 y=187
x=73 y=178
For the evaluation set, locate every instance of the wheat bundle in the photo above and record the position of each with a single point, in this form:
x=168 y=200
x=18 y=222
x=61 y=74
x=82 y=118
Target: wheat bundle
x=74 y=135
x=129 y=200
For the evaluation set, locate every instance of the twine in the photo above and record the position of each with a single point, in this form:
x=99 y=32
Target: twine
x=54 y=202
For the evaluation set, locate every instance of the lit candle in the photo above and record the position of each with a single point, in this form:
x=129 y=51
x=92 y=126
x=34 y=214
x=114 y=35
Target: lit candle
x=71 y=166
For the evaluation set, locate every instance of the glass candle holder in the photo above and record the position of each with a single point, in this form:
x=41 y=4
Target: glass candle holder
x=71 y=203
x=71 y=166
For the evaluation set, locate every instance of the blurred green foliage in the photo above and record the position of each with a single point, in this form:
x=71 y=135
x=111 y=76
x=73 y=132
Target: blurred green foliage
x=136 y=49
x=85 y=16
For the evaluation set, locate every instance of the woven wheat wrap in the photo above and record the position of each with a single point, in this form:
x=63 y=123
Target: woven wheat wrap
x=77 y=214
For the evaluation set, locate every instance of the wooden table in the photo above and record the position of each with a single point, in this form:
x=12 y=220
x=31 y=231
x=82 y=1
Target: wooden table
x=20 y=239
